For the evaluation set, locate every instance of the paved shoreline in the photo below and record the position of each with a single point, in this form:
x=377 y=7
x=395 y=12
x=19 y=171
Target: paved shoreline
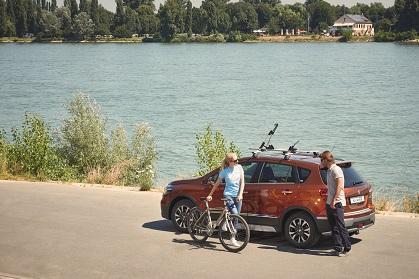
x=47 y=231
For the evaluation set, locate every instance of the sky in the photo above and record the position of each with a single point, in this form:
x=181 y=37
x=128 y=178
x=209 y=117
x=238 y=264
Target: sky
x=110 y=4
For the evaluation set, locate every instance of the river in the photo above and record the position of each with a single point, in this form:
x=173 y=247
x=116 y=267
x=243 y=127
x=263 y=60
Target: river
x=361 y=99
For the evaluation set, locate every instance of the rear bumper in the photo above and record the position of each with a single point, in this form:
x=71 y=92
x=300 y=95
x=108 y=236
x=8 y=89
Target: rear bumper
x=352 y=224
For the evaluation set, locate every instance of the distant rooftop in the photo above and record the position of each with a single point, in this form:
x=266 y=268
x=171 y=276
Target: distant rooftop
x=348 y=19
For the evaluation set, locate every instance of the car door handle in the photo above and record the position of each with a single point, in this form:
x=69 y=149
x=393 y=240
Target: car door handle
x=286 y=192
x=245 y=192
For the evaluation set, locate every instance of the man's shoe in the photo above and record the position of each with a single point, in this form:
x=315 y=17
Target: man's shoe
x=345 y=253
x=338 y=253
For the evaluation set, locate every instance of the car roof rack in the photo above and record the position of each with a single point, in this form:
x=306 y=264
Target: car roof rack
x=269 y=148
x=287 y=153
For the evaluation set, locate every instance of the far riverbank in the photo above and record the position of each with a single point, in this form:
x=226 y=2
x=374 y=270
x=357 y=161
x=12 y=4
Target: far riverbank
x=199 y=39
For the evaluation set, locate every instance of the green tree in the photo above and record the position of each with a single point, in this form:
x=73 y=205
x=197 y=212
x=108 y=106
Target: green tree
x=148 y=21
x=20 y=16
x=105 y=21
x=409 y=16
x=2 y=18
x=212 y=15
x=33 y=26
x=50 y=26
x=211 y=148
x=84 y=6
x=131 y=20
x=243 y=17
x=199 y=20
x=54 y=5
x=264 y=12
x=10 y=11
x=134 y=4
x=188 y=25
x=73 y=8
x=66 y=25
x=321 y=14
x=119 y=18
x=83 y=26
x=172 y=19
x=94 y=5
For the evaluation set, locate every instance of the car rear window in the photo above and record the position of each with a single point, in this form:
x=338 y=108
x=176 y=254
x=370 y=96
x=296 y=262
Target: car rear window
x=352 y=177
x=303 y=174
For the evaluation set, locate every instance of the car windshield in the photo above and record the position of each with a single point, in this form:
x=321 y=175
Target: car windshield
x=352 y=177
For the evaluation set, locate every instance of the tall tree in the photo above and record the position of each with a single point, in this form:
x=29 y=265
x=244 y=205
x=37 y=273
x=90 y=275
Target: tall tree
x=409 y=16
x=64 y=16
x=53 y=5
x=188 y=25
x=31 y=18
x=10 y=11
x=73 y=8
x=20 y=15
x=2 y=18
x=84 y=26
x=172 y=19
x=119 y=18
x=94 y=5
x=84 y=6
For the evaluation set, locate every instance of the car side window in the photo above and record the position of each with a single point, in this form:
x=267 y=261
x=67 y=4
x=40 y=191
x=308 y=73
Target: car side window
x=277 y=173
x=249 y=169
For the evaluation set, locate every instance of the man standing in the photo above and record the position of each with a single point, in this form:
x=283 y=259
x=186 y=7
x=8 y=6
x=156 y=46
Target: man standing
x=335 y=203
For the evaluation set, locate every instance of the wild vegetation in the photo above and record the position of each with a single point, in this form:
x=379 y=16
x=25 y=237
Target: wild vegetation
x=80 y=150
x=178 y=20
x=211 y=147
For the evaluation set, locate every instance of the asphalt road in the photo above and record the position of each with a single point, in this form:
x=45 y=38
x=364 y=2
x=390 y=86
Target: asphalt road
x=67 y=231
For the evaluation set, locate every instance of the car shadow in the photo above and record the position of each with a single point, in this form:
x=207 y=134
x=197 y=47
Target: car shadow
x=265 y=240
x=209 y=244
x=279 y=243
x=161 y=225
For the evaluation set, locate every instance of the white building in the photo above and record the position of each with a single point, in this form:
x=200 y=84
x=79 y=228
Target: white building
x=360 y=25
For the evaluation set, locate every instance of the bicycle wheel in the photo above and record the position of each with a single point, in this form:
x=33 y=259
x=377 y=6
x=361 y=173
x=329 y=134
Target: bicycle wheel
x=197 y=227
x=235 y=235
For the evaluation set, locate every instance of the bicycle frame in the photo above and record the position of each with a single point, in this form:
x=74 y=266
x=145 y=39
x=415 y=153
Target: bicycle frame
x=211 y=226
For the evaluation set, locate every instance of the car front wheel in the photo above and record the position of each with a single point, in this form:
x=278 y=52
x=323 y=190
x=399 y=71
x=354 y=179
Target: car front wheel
x=179 y=214
x=301 y=231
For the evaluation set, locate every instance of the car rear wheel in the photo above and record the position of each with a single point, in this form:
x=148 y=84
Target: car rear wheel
x=180 y=213
x=301 y=231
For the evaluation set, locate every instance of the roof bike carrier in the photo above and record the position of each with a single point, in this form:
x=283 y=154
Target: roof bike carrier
x=292 y=150
x=268 y=146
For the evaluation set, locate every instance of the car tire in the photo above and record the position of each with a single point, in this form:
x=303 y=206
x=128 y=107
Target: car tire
x=179 y=214
x=301 y=231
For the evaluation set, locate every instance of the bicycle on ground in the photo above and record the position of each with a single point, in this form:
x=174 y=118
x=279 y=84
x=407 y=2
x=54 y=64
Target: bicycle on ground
x=233 y=230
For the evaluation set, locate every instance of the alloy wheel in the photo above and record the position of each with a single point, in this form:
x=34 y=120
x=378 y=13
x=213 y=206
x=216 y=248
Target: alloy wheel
x=299 y=230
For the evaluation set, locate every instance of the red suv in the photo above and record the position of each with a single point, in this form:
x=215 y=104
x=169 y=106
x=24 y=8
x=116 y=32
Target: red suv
x=283 y=193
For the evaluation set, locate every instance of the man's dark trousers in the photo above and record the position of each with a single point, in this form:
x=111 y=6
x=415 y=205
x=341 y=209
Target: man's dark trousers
x=337 y=224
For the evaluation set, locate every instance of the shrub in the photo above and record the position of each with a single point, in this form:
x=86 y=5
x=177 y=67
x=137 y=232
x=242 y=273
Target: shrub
x=140 y=168
x=3 y=153
x=119 y=149
x=346 y=35
x=211 y=149
x=32 y=152
x=84 y=142
x=405 y=36
x=411 y=204
x=384 y=37
x=234 y=36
